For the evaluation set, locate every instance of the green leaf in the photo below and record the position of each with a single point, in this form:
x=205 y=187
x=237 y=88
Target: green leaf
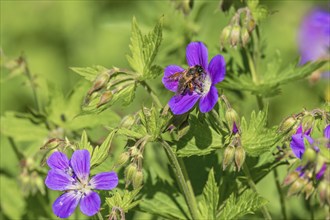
x=200 y=139
x=124 y=199
x=247 y=203
x=89 y=73
x=256 y=138
x=100 y=153
x=131 y=133
x=84 y=143
x=273 y=78
x=166 y=206
x=12 y=200
x=210 y=201
x=22 y=128
x=144 y=49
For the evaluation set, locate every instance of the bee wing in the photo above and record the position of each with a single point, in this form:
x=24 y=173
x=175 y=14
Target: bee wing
x=176 y=76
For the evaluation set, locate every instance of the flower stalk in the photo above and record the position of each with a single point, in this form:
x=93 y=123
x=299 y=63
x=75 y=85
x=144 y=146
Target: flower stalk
x=183 y=180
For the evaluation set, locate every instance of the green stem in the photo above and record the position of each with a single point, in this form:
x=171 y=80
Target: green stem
x=30 y=78
x=260 y=102
x=253 y=186
x=254 y=74
x=99 y=216
x=152 y=93
x=279 y=190
x=183 y=180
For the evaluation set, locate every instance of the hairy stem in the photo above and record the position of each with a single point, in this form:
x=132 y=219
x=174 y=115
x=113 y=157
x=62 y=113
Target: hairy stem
x=99 y=216
x=253 y=186
x=183 y=181
x=280 y=192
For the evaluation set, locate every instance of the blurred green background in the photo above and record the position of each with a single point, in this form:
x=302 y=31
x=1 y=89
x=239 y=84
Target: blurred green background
x=56 y=35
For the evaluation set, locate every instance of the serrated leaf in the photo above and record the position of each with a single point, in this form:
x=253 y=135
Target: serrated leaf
x=247 y=203
x=256 y=138
x=131 y=133
x=209 y=204
x=144 y=49
x=200 y=139
x=100 y=153
x=89 y=73
x=22 y=129
x=125 y=199
x=273 y=79
x=84 y=143
x=166 y=206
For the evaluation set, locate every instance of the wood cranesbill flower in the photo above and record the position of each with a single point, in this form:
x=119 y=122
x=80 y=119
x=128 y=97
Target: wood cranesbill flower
x=72 y=176
x=195 y=83
x=314 y=36
x=297 y=143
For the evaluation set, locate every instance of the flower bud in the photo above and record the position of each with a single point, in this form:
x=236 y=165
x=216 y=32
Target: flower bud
x=127 y=121
x=287 y=124
x=319 y=163
x=297 y=186
x=137 y=179
x=225 y=35
x=130 y=172
x=239 y=157
x=251 y=24
x=105 y=97
x=324 y=192
x=232 y=119
x=100 y=81
x=122 y=159
x=308 y=156
x=235 y=35
x=290 y=178
x=308 y=190
x=307 y=122
x=134 y=151
x=228 y=156
x=245 y=36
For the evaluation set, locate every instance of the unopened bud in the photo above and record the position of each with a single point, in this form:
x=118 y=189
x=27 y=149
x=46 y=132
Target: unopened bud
x=235 y=35
x=287 y=124
x=228 y=156
x=290 y=178
x=297 y=186
x=137 y=179
x=308 y=190
x=127 y=121
x=307 y=122
x=225 y=35
x=134 y=151
x=100 y=81
x=251 y=24
x=245 y=36
x=232 y=119
x=130 y=172
x=239 y=157
x=122 y=159
x=320 y=161
x=324 y=192
x=105 y=97
x=308 y=156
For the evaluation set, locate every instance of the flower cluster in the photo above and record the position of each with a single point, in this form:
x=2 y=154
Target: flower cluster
x=312 y=163
x=72 y=176
x=196 y=83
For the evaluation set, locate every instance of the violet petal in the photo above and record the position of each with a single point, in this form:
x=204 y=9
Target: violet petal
x=183 y=103
x=171 y=84
x=90 y=203
x=297 y=144
x=209 y=100
x=327 y=132
x=320 y=174
x=196 y=54
x=217 y=69
x=59 y=180
x=80 y=163
x=65 y=205
x=104 y=181
x=58 y=160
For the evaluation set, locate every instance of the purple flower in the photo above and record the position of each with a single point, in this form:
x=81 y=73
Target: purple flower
x=199 y=80
x=314 y=36
x=326 y=132
x=73 y=178
x=297 y=143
